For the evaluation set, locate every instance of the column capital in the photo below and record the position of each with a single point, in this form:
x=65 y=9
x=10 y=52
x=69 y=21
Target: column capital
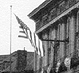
x=63 y=19
x=70 y=14
x=73 y=12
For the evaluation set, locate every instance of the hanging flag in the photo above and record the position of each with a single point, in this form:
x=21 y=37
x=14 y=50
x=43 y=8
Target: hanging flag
x=30 y=38
x=35 y=43
x=20 y=21
x=22 y=36
x=30 y=35
x=22 y=24
x=25 y=29
x=34 y=38
x=43 y=48
x=39 y=46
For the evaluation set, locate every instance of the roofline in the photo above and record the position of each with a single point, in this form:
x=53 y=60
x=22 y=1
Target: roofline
x=39 y=8
x=58 y=17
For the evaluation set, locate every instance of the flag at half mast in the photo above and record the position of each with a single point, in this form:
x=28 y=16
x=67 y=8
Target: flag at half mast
x=35 y=43
x=22 y=24
x=39 y=46
x=26 y=30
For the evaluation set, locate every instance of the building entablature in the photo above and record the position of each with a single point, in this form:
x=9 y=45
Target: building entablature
x=60 y=9
x=43 y=7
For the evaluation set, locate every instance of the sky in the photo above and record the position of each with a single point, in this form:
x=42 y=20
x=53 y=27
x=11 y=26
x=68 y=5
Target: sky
x=21 y=8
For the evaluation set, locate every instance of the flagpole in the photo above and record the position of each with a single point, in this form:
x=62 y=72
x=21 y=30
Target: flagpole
x=10 y=34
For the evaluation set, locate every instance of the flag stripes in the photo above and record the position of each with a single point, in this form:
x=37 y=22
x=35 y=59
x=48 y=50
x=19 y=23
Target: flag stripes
x=35 y=42
x=39 y=46
x=28 y=33
x=35 y=38
x=22 y=24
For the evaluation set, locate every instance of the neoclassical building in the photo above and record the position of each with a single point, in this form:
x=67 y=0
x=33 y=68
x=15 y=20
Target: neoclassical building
x=57 y=25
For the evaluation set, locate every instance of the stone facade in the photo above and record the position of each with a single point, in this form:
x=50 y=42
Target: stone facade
x=18 y=62
x=21 y=61
x=57 y=25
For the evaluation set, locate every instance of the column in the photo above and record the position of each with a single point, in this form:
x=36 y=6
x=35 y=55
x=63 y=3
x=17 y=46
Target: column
x=46 y=53
x=54 y=49
x=67 y=32
x=43 y=59
x=72 y=34
x=61 y=48
x=46 y=49
x=58 y=47
x=52 y=45
x=63 y=38
x=77 y=37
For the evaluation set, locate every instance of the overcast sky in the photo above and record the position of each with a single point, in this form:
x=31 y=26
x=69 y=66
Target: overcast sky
x=21 y=8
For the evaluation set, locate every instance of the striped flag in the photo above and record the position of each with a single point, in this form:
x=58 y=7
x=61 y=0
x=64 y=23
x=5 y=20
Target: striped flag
x=39 y=46
x=43 y=49
x=35 y=38
x=22 y=24
x=35 y=43
x=30 y=35
x=25 y=29
x=30 y=38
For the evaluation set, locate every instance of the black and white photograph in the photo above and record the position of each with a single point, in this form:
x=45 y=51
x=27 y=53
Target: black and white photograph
x=39 y=36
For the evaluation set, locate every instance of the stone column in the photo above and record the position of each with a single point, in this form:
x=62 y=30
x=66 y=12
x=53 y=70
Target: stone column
x=67 y=32
x=63 y=38
x=77 y=30
x=77 y=22
x=72 y=34
x=52 y=45
x=61 y=43
x=46 y=49
x=43 y=59
x=46 y=53
x=58 y=38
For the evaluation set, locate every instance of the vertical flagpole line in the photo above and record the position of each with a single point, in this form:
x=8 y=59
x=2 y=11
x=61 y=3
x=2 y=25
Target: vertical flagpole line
x=34 y=61
x=35 y=55
x=34 y=52
x=10 y=35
